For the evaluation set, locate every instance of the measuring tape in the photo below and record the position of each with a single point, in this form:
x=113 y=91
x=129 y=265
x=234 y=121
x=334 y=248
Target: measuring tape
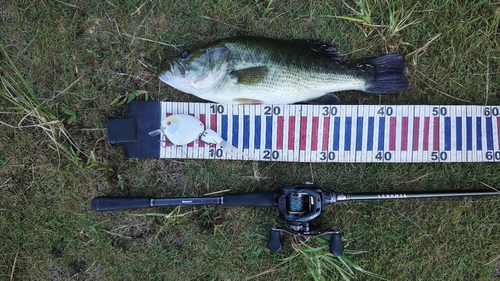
x=343 y=133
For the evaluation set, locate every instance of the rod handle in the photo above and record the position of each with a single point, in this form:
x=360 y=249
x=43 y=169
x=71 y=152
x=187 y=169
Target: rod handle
x=251 y=199
x=105 y=203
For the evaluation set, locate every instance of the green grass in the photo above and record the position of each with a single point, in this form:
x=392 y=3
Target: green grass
x=80 y=61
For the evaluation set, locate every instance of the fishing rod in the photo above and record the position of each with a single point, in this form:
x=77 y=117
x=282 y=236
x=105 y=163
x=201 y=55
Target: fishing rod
x=298 y=205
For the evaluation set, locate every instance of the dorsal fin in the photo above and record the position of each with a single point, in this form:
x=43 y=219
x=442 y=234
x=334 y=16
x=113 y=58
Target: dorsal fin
x=321 y=47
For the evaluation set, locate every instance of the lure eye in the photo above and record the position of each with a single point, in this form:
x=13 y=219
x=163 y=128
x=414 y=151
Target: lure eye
x=185 y=55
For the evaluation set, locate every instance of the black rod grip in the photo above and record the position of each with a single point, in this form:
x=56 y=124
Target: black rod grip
x=251 y=199
x=105 y=203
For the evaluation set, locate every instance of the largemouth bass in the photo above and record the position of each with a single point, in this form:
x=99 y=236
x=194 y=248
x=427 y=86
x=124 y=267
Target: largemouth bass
x=255 y=70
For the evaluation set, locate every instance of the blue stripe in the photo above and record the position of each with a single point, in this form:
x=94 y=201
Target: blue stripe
x=459 y=133
x=257 y=132
x=447 y=133
x=381 y=133
x=269 y=132
x=224 y=127
x=479 y=136
x=347 y=135
x=369 y=147
x=246 y=131
x=469 y=133
x=359 y=134
x=489 y=133
x=336 y=133
x=236 y=127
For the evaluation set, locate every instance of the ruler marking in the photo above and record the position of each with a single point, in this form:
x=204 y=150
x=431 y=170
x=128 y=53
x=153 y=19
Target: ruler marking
x=498 y=132
x=269 y=132
x=436 y=132
x=479 y=134
x=459 y=133
x=404 y=133
x=279 y=139
x=369 y=143
x=469 y=133
x=315 y=132
x=246 y=131
x=303 y=132
x=489 y=133
x=359 y=133
x=336 y=133
x=347 y=134
x=381 y=133
x=291 y=133
x=426 y=134
x=235 y=127
x=326 y=130
x=257 y=132
x=416 y=132
x=298 y=112
x=392 y=133
x=310 y=132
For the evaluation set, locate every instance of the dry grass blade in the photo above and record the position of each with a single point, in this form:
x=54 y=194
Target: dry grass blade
x=16 y=91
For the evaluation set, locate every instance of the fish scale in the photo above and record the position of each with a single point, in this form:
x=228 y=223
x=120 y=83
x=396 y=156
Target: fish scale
x=344 y=133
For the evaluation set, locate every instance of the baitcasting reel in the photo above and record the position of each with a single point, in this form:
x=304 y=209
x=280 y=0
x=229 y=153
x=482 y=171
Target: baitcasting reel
x=299 y=205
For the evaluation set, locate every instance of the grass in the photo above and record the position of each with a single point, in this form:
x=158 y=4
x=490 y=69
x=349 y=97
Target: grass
x=78 y=62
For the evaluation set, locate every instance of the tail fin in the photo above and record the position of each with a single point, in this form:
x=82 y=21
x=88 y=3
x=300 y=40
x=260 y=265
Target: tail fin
x=388 y=74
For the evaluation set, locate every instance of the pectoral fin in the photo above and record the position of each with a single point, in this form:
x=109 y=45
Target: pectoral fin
x=247 y=101
x=251 y=75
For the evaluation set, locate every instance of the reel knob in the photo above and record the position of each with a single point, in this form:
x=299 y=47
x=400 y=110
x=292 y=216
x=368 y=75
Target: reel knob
x=336 y=246
x=274 y=243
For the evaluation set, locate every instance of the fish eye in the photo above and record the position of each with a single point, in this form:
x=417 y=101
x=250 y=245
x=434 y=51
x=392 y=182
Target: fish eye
x=185 y=55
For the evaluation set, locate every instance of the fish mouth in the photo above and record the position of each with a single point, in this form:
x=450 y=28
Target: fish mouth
x=177 y=69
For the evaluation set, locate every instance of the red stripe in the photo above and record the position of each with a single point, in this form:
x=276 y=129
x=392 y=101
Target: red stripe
x=426 y=133
x=314 y=137
x=167 y=141
x=191 y=144
x=498 y=130
x=326 y=130
x=213 y=126
x=392 y=134
x=303 y=132
x=291 y=132
x=436 y=133
x=279 y=144
x=416 y=125
x=202 y=119
x=404 y=134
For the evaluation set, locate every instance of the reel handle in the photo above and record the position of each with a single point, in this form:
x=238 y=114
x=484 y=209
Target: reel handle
x=336 y=245
x=274 y=243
